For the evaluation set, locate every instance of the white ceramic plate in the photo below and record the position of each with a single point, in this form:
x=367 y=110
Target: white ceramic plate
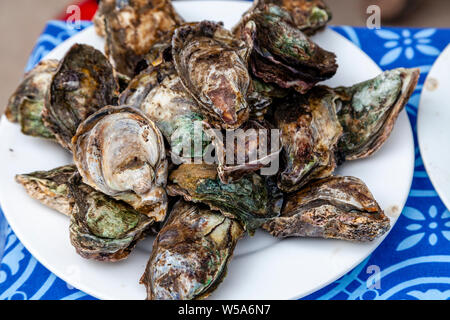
x=433 y=125
x=263 y=267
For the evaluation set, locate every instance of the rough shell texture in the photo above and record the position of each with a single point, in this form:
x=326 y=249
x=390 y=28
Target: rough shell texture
x=50 y=187
x=256 y=145
x=309 y=16
x=369 y=110
x=102 y=228
x=26 y=104
x=133 y=26
x=120 y=152
x=83 y=83
x=251 y=200
x=190 y=254
x=159 y=93
x=212 y=66
x=283 y=55
x=333 y=208
x=310 y=132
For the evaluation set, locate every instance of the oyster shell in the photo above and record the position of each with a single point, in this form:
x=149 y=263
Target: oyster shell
x=50 y=187
x=246 y=150
x=120 y=152
x=252 y=200
x=309 y=16
x=333 y=208
x=83 y=83
x=368 y=111
x=26 y=103
x=212 y=66
x=191 y=254
x=102 y=228
x=158 y=92
x=133 y=26
x=310 y=132
x=284 y=55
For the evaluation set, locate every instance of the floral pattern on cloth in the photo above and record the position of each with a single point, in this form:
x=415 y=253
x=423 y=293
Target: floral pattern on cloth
x=413 y=262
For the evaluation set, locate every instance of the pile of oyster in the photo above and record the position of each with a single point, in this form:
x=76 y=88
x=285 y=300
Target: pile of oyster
x=130 y=119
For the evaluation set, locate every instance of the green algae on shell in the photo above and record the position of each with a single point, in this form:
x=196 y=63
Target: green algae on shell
x=251 y=200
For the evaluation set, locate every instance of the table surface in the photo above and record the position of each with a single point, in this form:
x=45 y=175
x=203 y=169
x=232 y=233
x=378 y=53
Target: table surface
x=412 y=263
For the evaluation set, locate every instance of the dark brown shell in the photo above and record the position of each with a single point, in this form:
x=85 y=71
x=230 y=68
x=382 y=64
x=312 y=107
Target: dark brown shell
x=133 y=26
x=83 y=84
x=254 y=146
x=190 y=254
x=332 y=208
x=283 y=55
x=310 y=132
x=212 y=66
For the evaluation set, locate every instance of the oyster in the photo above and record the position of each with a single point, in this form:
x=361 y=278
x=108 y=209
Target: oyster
x=334 y=208
x=284 y=55
x=245 y=150
x=368 y=111
x=310 y=132
x=83 y=83
x=26 y=104
x=50 y=187
x=102 y=228
x=158 y=92
x=133 y=26
x=327 y=126
x=309 y=16
x=212 y=66
x=191 y=254
x=120 y=152
x=252 y=200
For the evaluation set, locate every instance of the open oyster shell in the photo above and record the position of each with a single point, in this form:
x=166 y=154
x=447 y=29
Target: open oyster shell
x=102 y=228
x=50 y=187
x=367 y=111
x=132 y=27
x=159 y=93
x=251 y=200
x=284 y=55
x=212 y=65
x=190 y=254
x=310 y=131
x=26 y=104
x=83 y=84
x=120 y=152
x=333 y=208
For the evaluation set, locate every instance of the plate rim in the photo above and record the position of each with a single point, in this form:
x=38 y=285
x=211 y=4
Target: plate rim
x=420 y=136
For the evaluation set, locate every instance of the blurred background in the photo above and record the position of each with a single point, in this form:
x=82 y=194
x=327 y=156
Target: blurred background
x=21 y=22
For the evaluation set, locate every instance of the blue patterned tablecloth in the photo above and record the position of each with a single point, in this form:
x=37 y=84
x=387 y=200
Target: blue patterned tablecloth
x=412 y=263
